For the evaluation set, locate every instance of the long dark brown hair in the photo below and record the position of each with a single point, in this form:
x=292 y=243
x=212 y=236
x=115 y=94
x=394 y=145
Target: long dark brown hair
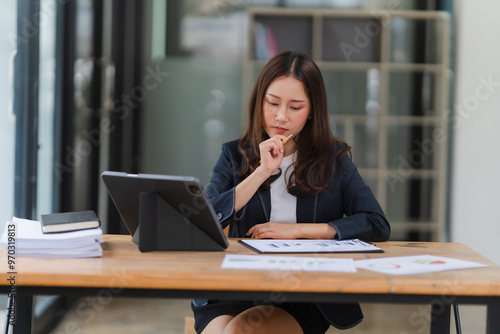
x=318 y=149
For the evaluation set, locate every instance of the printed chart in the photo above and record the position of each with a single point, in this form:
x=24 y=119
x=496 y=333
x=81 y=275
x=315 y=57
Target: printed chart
x=309 y=246
x=406 y=265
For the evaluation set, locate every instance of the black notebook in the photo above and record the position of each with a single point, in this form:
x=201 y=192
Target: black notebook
x=69 y=221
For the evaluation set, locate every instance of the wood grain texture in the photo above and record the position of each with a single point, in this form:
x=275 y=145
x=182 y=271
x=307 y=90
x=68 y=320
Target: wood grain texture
x=124 y=266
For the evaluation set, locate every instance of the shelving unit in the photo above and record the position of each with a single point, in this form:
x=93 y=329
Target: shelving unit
x=386 y=75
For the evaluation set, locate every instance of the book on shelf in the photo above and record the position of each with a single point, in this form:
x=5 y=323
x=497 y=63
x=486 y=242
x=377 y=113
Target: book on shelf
x=265 y=43
x=24 y=238
x=69 y=221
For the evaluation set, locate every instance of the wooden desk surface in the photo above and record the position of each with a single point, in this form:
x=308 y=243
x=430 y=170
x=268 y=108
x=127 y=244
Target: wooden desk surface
x=124 y=266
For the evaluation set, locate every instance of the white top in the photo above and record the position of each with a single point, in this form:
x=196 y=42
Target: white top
x=283 y=204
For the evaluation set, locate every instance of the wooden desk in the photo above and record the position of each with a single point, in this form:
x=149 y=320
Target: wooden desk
x=124 y=271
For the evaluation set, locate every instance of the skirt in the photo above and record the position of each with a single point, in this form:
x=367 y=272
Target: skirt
x=307 y=315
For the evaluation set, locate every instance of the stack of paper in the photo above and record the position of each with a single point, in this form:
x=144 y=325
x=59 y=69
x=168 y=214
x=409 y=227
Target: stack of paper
x=24 y=238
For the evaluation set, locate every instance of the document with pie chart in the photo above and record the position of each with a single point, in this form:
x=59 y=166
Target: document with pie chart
x=406 y=265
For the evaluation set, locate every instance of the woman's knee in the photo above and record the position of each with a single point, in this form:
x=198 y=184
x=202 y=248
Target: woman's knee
x=217 y=325
x=263 y=319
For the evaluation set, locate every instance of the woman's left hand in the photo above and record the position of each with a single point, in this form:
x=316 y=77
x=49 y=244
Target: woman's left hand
x=273 y=231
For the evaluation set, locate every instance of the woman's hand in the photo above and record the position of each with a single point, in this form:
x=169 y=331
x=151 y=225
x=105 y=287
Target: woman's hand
x=271 y=153
x=272 y=230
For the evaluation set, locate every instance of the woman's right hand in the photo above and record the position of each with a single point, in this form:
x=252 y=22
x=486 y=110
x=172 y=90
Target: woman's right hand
x=271 y=153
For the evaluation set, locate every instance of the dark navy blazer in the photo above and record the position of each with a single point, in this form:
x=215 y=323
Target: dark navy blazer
x=347 y=204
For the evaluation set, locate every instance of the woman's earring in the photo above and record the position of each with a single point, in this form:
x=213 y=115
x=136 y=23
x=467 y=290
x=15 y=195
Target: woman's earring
x=309 y=117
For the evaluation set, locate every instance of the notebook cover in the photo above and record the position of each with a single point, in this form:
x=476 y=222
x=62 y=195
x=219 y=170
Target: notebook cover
x=69 y=221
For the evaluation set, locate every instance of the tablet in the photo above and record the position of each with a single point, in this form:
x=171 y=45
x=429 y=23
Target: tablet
x=176 y=213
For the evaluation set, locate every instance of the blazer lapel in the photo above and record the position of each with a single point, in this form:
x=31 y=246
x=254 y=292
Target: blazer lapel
x=265 y=202
x=307 y=209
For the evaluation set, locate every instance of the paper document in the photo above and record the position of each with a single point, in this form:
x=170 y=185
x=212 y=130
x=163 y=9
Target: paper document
x=29 y=235
x=309 y=246
x=25 y=238
x=269 y=262
x=406 y=265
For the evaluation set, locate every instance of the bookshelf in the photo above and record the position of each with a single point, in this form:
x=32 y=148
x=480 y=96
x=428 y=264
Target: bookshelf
x=387 y=82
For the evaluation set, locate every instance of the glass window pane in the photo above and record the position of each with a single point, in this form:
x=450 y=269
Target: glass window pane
x=412 y=94
x=288 y=32
x=352 y=93
x=410 y=200
x=46 y=113
x=365 y=145
x=409 y=147
x=338 y=129
x=414 y=41
x=351 y=39
x=256 y=72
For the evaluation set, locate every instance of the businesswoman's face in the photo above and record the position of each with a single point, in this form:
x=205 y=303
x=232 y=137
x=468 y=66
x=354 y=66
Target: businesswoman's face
x=286 y=107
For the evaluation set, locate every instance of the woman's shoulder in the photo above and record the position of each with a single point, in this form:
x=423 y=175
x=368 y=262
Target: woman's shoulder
x=231 y=146
x=341 y=152
x=340 y=147
x=231 y=150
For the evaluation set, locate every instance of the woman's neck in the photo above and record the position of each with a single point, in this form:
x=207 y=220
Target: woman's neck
x=290 y=148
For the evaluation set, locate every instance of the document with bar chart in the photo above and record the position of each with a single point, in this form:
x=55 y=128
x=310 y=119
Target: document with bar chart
x=309 y=246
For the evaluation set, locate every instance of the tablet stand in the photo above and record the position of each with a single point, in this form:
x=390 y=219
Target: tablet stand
x=162 y=227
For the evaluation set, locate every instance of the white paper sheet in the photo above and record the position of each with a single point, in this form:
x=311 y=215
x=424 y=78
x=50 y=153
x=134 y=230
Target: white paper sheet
x=293 y=263
x=25 y=237
x=28 y=234
x=309 y=246
x=406 y=265
x=67 y=252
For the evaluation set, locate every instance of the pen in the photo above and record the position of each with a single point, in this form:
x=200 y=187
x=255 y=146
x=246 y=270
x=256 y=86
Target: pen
x=284 y=141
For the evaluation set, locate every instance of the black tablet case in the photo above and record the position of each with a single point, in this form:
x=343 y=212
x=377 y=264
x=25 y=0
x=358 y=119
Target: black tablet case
x=161 y=213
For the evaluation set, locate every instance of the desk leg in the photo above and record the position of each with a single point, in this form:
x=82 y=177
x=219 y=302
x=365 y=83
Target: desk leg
x=440 y=318
x=493 y=317
x=24 y=312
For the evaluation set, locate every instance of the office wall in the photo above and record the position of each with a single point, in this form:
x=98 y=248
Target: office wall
x=475 y=201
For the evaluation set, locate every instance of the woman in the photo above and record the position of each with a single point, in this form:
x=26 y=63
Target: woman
x=306 y=187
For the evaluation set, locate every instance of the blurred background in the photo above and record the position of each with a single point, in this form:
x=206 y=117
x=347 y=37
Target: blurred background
x=156 y=86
